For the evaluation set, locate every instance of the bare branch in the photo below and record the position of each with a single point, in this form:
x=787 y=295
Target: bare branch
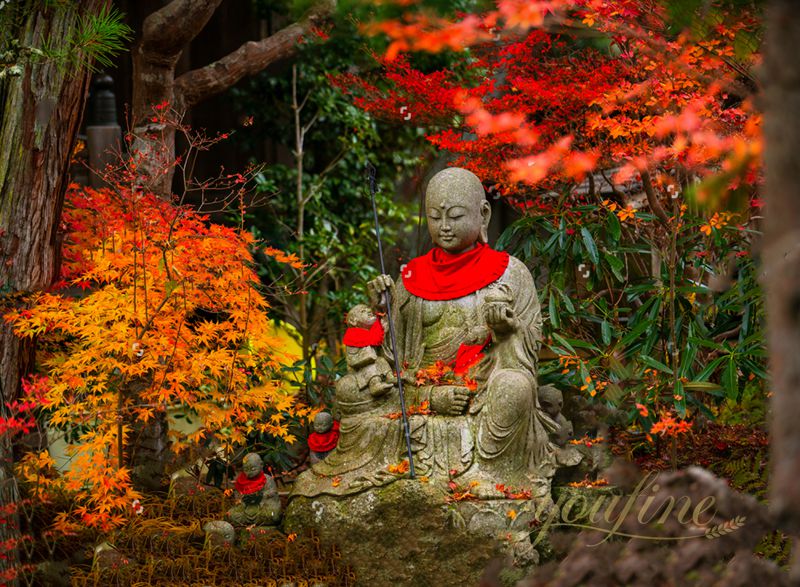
x=168 y=30
x=305 y=99
x=311 y=122
x=252 y=57
x=652 y=198
x=617 y=194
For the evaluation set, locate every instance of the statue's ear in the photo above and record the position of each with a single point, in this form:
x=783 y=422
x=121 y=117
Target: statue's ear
x=486 y=216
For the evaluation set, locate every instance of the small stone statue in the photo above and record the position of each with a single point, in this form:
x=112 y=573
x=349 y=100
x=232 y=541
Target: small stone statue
x=260 y=504
x=363 y=336
x=551 y=401
x=324 y=437
x=218 y=533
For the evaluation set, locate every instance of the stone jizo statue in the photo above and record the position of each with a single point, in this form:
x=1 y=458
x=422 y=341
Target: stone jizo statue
x=362 y=340
x=323 y=438
x=551 y=401
x=485 y=425
x=259 y=504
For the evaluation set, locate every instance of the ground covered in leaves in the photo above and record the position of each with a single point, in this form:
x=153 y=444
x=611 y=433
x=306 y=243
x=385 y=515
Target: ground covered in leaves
x=165 y=545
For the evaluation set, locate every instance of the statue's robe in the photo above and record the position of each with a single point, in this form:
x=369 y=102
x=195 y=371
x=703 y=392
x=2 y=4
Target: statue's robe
x=503 y=432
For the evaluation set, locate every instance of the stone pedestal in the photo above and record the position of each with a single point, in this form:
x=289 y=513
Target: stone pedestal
x=408 y=533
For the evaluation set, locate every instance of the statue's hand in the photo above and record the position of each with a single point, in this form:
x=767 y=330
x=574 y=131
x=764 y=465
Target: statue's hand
x=449 y=400
x=376 y=288
x=477 y=335
x=500 y=318
x=377 y=387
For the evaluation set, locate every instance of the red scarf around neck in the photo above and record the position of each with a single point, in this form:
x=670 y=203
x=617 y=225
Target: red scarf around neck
x=324 y=441
x=438 y=275
x=246 y=486
x=361 y=337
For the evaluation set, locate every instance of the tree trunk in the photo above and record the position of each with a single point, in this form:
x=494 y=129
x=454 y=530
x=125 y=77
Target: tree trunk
x=782 y=252
x=41 y=113
x=165 y=35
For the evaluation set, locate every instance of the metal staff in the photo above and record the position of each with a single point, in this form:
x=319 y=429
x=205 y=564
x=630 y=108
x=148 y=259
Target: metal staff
x=372 y=190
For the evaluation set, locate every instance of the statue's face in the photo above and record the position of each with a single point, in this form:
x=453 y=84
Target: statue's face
x=361 y=316
x=551 y=401
x=455 y=220
x=323 y=422
x=252 y=465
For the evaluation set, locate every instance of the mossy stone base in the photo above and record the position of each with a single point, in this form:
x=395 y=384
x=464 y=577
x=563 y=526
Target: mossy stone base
x=407 y=533
x=577 y=503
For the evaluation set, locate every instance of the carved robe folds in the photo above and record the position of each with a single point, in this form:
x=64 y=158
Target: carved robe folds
x=502 y=438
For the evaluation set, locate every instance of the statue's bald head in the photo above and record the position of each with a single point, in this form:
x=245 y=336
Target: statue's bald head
x=252 y=464
x=457 y=194
x=460 y=184
x=551 y=400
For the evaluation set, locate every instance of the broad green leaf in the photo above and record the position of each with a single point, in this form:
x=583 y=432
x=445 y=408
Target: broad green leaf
x=730 y=381
x=567 y=302
x=616 y=265
x=710 y=368
x=658 y=365
x=635 y=332
x=564 y=343
x=687 y=360
x=706 y=343
x=605 y=332
x=613 y=226
x=553 y=311
x=591 y=247
x=701 y=386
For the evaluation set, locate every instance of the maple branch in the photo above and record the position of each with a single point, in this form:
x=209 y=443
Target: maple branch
x=652 y=198
x=618 y=194
x=254 y=56
x=149 y=322
x=168 y=30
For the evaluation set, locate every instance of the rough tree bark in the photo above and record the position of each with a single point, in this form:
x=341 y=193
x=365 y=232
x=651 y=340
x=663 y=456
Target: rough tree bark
x=782 y=251
x=165 y=34
x=40 y=113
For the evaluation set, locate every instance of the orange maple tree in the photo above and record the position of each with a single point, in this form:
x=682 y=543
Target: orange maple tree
x=172 y=317
x=157 y=309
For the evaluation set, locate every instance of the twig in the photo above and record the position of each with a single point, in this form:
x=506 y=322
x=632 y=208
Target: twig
x=652 y=198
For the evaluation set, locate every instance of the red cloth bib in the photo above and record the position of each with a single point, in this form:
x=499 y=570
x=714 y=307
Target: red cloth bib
x=324 y=441
x=246 y=486
x=361 y=337
x=438 y=275
x=469 y=355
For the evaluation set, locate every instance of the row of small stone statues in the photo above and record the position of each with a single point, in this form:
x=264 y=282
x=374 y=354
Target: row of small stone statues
x=257 y=494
